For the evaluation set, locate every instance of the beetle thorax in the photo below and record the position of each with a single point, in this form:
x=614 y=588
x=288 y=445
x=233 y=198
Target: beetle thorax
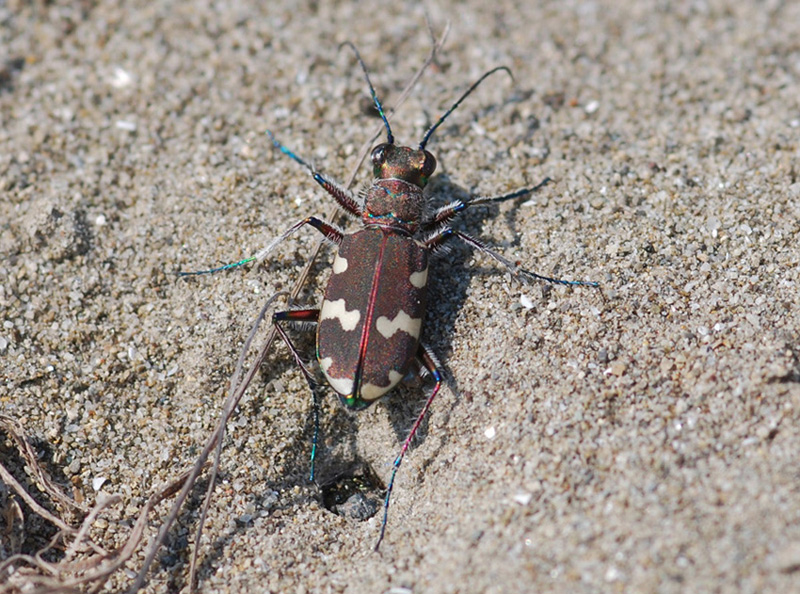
x=394 y=203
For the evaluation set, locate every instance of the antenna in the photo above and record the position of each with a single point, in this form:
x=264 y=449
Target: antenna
x=474 y=86
x=378 y=106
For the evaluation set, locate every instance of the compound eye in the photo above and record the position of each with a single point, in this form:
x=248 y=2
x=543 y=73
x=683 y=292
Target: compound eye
x=429 y=165
x=379 y=155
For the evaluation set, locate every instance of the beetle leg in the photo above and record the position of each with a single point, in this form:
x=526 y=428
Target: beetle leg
x=446 y=213
x=439 y=238
x=303 y=316
x=331 y=232
x=429 y=361
x=342 y=195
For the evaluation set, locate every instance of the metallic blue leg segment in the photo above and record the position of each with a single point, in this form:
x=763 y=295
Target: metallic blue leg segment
x=430 y=363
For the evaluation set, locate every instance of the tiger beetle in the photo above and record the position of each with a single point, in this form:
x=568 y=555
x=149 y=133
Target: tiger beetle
x=370 y=321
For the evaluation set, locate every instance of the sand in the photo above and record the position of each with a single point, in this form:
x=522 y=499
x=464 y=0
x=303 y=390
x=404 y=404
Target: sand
x=642 y=439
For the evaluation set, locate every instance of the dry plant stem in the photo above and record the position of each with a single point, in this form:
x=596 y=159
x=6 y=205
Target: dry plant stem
x=102 y=503
x=331 y=215
x=237 y=390
x=17 y=433
x=95 y=570
x=234 y=396
x=9 y=479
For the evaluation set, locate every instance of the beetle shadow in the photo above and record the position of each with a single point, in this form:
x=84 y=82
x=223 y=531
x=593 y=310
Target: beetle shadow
x=448 y=288
x=338 y=427
x=340 y=474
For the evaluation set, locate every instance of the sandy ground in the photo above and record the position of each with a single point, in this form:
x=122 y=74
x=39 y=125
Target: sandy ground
x=645 y=442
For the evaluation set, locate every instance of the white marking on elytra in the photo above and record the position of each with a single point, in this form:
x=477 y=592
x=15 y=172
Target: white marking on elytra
x=373 y=392
x=419 y=279
x=342 y=385
x=336 y=310
x=402 y=321
x=339 y=264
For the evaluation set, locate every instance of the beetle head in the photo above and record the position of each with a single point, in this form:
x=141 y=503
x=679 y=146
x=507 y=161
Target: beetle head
x=414 y=166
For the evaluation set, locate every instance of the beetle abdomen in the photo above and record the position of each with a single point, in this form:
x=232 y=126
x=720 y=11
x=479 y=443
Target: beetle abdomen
x=377 y=292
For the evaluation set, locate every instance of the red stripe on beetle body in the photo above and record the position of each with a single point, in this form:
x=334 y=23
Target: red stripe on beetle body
x=377 y=292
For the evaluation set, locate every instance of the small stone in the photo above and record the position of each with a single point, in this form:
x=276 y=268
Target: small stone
x=617 y=368
x=787 y=560
x=523 y=498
